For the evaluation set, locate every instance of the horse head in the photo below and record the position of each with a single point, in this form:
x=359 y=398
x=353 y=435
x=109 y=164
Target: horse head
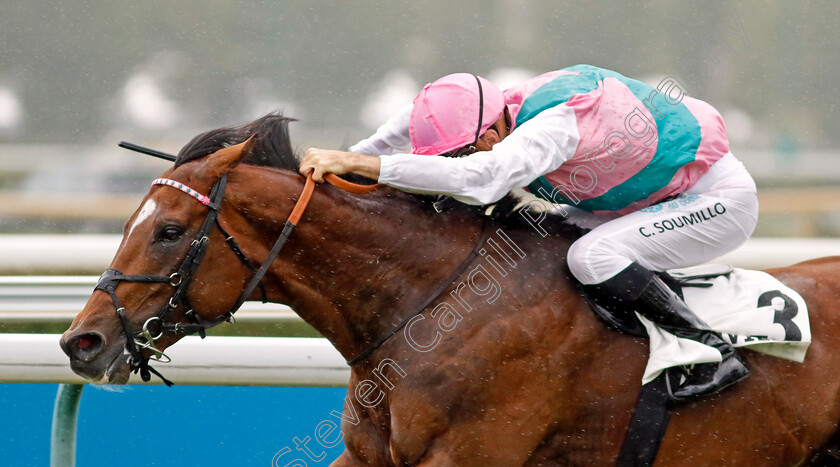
x=155 y=277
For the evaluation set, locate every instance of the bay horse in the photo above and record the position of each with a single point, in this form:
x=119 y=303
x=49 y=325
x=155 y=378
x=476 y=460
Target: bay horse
x=469 y=341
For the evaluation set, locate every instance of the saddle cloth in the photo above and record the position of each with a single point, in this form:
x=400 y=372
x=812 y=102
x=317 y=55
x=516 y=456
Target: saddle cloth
x=750 y=309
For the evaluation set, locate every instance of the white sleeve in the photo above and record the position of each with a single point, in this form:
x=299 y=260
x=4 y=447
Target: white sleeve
x=533 y=149
x=390 y=138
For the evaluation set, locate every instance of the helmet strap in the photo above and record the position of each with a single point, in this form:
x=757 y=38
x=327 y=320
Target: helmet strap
x=480 y=109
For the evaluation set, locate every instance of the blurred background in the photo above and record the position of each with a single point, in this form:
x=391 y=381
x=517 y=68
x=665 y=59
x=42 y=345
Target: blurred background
x=78 y=77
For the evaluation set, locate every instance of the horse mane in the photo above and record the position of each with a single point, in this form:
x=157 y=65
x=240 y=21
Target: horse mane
x=272 y=147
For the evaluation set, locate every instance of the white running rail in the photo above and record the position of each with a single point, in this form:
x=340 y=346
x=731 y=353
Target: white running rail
x=217 y=361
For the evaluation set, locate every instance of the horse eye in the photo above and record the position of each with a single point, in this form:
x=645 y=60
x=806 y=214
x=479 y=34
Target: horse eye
x=170 y=233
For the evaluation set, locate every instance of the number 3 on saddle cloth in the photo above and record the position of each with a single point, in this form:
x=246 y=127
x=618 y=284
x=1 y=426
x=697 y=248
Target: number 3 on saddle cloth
x=749 y=308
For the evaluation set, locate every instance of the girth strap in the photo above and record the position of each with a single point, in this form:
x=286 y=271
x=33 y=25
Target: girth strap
x=648 y=424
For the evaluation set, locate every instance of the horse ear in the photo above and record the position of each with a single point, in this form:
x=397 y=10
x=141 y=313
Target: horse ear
x=226 y=159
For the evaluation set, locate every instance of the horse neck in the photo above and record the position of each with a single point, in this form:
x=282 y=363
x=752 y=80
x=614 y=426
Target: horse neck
x=356 y=265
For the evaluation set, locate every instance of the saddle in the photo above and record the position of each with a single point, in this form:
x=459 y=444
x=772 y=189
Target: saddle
x=626 y=321
x=748 y=308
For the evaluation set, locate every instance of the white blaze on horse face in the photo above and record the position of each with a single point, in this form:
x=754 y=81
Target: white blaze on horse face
x=145 y=212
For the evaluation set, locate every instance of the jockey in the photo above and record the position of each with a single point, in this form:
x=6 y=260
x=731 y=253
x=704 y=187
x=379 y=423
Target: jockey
x=648 y=168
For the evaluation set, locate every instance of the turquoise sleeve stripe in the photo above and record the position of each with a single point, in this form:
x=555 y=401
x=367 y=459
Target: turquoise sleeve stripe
x=678 y=133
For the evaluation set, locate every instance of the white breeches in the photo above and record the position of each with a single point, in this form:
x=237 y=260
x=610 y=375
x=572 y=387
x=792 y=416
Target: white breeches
x=714 y=217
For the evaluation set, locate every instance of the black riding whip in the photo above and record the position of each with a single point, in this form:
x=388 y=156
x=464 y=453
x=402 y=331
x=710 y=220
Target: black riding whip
x=147 y=151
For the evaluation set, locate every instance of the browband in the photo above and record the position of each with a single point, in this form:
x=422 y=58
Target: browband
x=205 y=200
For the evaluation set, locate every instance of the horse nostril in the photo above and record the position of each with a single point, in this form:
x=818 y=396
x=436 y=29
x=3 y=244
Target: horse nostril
x=85 y=346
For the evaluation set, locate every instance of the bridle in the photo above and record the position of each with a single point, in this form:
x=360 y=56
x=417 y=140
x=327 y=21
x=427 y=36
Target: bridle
x=155 y=327
x=180 y=280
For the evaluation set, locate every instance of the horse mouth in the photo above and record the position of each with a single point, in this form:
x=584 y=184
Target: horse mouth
x=119 y=370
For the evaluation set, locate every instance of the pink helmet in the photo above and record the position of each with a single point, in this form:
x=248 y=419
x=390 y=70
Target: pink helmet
x=453 y=112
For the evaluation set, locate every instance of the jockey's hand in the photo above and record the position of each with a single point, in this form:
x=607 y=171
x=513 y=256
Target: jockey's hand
x=324 y=161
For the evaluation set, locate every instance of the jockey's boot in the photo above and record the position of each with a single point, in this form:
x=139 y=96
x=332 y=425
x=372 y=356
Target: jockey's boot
x=646 y=293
